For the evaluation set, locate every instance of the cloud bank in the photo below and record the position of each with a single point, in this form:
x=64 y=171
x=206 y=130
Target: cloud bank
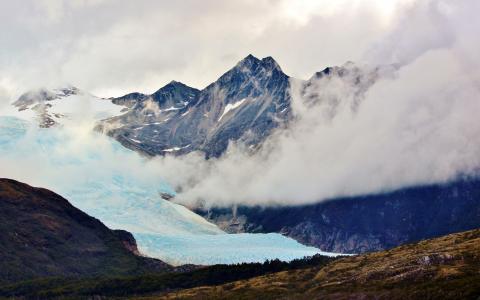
x=411 y=119
x=110 y=47
x=418 y=123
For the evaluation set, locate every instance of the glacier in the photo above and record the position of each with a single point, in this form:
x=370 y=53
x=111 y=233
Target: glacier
x=119 y=187
x=223 y=248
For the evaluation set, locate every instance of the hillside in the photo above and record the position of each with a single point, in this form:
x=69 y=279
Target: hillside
x=129 y=286
x=365 y=223
x=43 y=235
x=441 y=268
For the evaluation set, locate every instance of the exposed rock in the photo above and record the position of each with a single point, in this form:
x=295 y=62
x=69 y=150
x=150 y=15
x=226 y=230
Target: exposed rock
x=128 y=240
x=244 y=104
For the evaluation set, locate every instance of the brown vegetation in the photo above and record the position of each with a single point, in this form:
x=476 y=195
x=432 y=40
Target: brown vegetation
x=442 y=268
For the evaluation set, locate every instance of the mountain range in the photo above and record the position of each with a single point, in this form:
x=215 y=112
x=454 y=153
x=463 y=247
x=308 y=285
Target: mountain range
x=246 y=105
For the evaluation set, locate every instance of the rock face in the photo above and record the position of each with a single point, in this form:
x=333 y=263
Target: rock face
x=44 y=235
x=244 y=104
x=127 y=240
x=366 y=223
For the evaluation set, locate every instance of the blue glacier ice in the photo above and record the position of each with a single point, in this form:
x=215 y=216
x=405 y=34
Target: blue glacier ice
x=222 y=248
x=113 y=184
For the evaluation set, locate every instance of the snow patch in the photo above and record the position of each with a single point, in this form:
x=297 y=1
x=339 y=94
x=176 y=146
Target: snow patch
x=172 y=108
x=175 y=148
x=231 y=106
x=136 y=141
x=70 y=108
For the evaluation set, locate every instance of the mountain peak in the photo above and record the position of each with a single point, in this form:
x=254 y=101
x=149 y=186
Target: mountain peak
x=171 y=85
x=174 y=85
x=250 y=57
x=249 y=61
x=41 y=95
x=270 y=63
x=252 y=62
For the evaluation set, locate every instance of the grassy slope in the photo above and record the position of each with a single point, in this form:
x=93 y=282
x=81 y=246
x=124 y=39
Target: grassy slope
x=442 y=268
x=152 y=283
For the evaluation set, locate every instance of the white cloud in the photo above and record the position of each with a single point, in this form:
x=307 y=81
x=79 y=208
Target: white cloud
x=113 y=47
x=416 y=124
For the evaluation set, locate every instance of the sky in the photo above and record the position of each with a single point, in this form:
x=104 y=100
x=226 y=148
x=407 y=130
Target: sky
x=415 y=123
x=112 y=47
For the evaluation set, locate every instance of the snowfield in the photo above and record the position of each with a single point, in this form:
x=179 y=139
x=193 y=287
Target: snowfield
x=117 y=186
x=63 y=107
x=230 y=107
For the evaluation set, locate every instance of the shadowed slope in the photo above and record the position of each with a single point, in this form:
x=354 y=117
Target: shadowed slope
x=365 y=223
x=43 y=235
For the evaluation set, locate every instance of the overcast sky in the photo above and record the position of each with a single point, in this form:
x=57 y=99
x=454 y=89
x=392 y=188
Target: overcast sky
x=110 y=47
x=417 y=123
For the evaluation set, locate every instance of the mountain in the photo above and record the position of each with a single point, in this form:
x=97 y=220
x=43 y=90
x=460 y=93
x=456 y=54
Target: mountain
x=364 y=223
x=44 y=95
x=53 y=107
x=173 y=96
x=442 y=268
x=43 y=235
x=244 y=104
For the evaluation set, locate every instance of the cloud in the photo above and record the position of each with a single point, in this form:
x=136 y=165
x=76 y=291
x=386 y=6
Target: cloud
x=114 y=47
x=411 y=120
x=416 y=124
x=426 y=26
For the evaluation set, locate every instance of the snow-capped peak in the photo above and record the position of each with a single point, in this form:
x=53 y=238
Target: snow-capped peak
x=49 y=107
